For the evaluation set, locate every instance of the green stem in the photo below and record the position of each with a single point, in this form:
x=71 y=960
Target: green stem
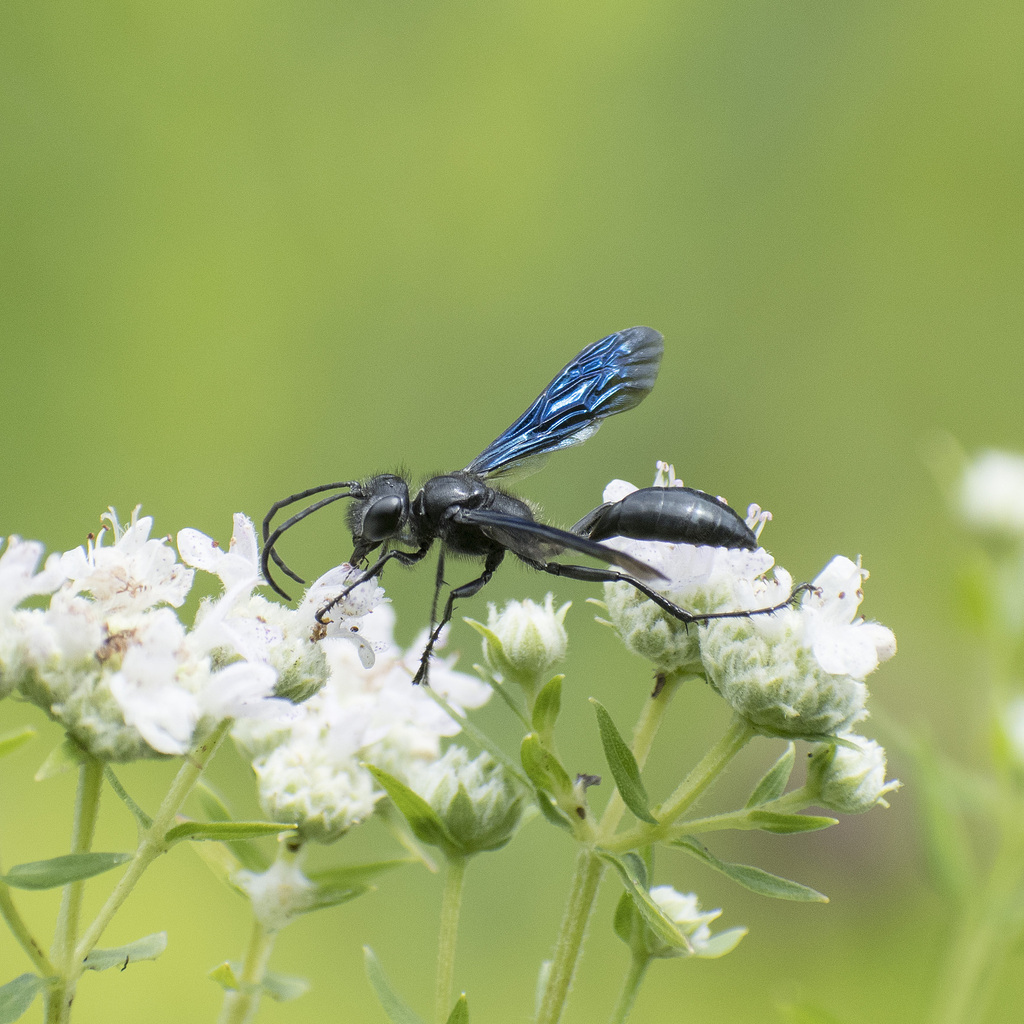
x=240 y=1007
x=585 y=883
x=87 y=803
x=590 y=868
x=689 y=790
x=451 y=904
x=151 y=842
x=646 y=730
x=20 y=931
x=630 y=987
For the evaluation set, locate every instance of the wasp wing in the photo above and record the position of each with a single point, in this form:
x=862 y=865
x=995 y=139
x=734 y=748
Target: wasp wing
x=538 y=542
x=609 y=376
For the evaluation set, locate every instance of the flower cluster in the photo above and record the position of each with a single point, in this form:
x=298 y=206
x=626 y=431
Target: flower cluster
x=110 y=659
x=309 y=769
x=797 y=672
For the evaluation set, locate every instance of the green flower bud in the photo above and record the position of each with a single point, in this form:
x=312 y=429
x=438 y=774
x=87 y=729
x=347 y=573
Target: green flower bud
x=322 y=794
x=771 y=678
x=850 y=780
x=649 y=632
x=524 y=639
x=478 y=801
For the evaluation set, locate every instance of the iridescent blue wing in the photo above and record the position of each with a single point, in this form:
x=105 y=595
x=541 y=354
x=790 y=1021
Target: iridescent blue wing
x=610 y=376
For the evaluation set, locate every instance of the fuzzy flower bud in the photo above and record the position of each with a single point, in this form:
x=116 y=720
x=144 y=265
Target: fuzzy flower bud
x=479 y=803
x=683 y=910
x=524 y=639
x=849 y=779
x=800 y=671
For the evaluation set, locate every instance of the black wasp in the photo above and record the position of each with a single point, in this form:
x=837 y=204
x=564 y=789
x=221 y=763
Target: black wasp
x=471 y=517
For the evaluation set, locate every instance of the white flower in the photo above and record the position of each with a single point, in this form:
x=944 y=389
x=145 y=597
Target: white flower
x=991 y=493
x=800 y=671
x=117 y=668
x=308 y=769
x=239 y=564
x=132 y=574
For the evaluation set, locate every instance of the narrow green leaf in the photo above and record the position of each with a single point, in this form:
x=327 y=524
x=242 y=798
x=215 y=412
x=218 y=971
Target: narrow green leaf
x=543 y=768
x=460 y=1011
x=775 y=780
x=72 y=867
x=148 y=948
x=65 y=756
x=142 y=819
x=16 y=996
x=224 y=975
x=423 y=820
x=656 y=919
x=283 y=988
x=720 y=943
x=11 y=741
x=224 y=831
x=551 y=812
x=754 y=879
x=547 y=706
x=213 y=805
x=223 y=862
x=396 y=1010
x=786 y=824
x=352 y=875
x=623 y=765
x=324 y=897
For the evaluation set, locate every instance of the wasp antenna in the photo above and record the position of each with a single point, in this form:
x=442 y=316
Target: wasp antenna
x=270 y=539
x=292 y=498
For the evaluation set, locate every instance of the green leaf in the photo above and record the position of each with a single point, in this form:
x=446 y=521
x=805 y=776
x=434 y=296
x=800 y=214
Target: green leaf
x=775 y=780
x=754 y=879
x=543 y=768
x=786 y=824
x=16 y=996
x=65 y=756
x=720 y=943
x=214 y=807
x=547 y=706
x=224 y=831
x=623 y=764
x=352 y=875
x=283 y=988
x=460 y=1011
x=656 y=919
x=324 y=897
x=221 y=860
x=397 y=1012
x=224 y=975
x=423 y=819
x=11 y=741
x=72 y=867
x=148 y=948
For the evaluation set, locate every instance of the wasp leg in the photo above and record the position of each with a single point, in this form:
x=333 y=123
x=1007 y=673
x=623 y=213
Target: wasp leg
x=491 y=563
x=591 y=574
x=405 y=557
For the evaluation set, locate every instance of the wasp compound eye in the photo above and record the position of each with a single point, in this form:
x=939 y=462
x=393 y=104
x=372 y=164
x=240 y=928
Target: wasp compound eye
x=382 y=518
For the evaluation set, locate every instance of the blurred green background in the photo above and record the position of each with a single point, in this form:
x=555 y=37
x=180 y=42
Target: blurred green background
x=250 y=247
